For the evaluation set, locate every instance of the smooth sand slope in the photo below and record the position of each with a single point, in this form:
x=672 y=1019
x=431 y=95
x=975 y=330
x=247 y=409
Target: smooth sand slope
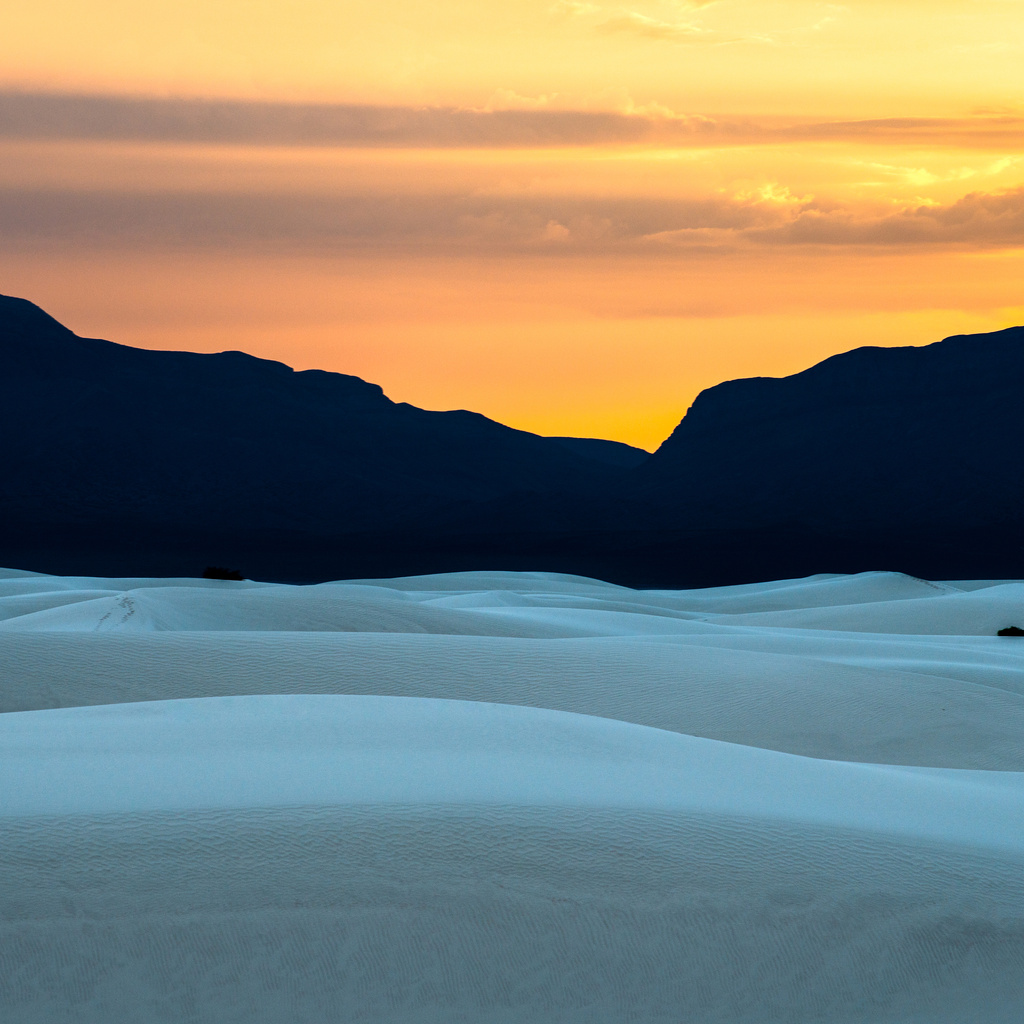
x=511 y=798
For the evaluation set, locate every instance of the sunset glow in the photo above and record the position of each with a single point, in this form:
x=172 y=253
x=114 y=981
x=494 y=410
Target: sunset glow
x=569 y=216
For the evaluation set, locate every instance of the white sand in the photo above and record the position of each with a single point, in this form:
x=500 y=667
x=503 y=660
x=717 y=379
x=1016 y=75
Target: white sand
x=511 y=798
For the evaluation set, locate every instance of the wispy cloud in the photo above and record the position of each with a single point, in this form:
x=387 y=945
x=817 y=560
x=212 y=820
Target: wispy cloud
x=509 y=121
x=653 y=28
x=677 y=22
x=976 y=220
x=341 y=223
x=922 y=177
x=40 y=116
x=501 y=225
x=977 y=132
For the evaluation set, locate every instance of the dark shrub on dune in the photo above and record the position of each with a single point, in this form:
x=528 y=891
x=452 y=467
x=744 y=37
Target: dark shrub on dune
x=218 y=572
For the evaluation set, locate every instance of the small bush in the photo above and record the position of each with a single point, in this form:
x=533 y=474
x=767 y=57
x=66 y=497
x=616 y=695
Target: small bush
x=1011 y=631
x=218 y=572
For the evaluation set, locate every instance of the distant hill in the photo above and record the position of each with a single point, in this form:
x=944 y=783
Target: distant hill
x=123 y=448
x=614 y=453
x=869 y=438
x=119 y=460
x=907 y=458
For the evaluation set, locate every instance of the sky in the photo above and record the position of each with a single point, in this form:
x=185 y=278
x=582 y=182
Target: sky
x=569 y=216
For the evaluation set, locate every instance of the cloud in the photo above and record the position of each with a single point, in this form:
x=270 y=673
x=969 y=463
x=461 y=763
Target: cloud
x=612 y=20
x=477 y=223
x=681 y=21
x=978 y=132
x=976 y=220
x=574 y=9
x=118 y=118
x=555 y=232
x=772 y=192
x=652 y=28
x=585 y=9
x=453 y=222
x=508 y=121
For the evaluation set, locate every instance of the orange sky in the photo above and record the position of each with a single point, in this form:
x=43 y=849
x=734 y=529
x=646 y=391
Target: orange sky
x=569 y=216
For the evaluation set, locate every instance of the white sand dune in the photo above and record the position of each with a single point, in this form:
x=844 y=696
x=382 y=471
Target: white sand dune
x=702 y=662
x=511 y=798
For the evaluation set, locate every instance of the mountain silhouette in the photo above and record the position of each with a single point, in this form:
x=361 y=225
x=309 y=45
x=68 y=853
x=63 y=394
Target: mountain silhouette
x=123 y=461
x=898 y=458
x=864 y=439
x=124 y=449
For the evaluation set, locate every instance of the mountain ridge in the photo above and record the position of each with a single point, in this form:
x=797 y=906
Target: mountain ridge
x=232 y=443
x=857 y=437
x=162 y=462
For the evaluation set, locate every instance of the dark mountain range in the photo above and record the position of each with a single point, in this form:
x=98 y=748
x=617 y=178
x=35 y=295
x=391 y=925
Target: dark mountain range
x=128 y=461
x=614 y=453
x=902 y=458
x=104 y=441
x=863 y=439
